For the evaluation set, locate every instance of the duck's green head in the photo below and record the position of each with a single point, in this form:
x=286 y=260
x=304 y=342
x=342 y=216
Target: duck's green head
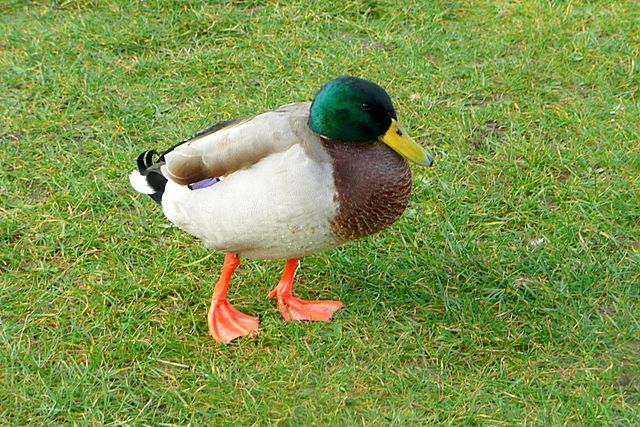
x=351 y=109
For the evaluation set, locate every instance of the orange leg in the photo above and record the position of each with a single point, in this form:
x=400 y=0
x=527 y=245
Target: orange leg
x=224 y=321
x=293 y=308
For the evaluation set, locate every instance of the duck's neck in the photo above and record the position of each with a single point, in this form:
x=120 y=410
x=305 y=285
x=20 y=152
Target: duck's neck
x=372 y=184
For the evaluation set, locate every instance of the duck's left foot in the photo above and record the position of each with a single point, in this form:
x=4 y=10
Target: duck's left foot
x=293 y=308
x=227 y=323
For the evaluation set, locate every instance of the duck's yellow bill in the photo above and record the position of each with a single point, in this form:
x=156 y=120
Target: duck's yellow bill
x=403 y=144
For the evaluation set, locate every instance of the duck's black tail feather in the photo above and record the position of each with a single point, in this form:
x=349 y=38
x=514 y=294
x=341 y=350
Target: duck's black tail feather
x=148 y=179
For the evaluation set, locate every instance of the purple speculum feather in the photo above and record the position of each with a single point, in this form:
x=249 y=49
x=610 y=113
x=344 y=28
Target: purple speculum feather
x=203 y=184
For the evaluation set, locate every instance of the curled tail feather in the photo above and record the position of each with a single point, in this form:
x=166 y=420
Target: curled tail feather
x=148 y=179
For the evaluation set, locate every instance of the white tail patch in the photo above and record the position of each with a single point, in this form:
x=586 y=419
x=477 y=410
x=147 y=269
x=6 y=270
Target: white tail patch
x=140 y=184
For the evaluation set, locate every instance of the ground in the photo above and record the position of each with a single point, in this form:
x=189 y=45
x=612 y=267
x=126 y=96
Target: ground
x=507 y=294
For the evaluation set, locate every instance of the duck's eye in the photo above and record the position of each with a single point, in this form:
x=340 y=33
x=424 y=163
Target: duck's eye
x=365 y=107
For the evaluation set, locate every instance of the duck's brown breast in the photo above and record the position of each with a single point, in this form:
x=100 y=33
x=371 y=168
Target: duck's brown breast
x=373 y=184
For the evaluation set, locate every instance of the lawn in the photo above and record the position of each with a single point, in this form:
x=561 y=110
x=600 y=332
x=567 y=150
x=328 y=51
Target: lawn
x=507 y=294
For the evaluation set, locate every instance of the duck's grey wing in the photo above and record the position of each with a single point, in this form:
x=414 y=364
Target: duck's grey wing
x=237 y=145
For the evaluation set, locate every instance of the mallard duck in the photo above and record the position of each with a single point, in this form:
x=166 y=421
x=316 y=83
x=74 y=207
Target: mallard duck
x=284 y=184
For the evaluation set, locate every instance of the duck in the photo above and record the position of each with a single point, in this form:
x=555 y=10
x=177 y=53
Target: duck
x=284 y=184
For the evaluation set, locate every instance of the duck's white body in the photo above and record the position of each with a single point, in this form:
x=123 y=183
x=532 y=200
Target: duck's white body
x=231 y=215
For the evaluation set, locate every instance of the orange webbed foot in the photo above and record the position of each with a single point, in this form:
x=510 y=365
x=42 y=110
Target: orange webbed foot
x=293 y=308
x=226 y=323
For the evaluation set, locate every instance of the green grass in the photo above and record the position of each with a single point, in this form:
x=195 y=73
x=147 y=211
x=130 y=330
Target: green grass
x=454 y=316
